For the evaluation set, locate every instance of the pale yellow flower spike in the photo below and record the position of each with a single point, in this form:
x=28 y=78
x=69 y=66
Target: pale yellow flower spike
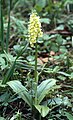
x=34 y=29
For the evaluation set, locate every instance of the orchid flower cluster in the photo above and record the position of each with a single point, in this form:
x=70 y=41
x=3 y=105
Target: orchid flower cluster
x=34 y=28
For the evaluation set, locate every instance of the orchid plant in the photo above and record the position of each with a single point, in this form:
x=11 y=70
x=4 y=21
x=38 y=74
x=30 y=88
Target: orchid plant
x=37 y=93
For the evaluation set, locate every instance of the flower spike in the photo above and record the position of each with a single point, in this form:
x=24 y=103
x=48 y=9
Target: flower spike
x=34 y=28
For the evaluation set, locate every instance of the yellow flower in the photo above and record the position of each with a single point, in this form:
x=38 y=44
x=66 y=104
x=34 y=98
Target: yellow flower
x=34 y=28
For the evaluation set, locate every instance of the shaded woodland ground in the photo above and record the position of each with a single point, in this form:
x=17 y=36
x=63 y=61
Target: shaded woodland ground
x=54 y=61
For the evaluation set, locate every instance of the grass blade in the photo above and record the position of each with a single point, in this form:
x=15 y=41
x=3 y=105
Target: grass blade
x=8 y=28
x=1 y=27
x=9 y=73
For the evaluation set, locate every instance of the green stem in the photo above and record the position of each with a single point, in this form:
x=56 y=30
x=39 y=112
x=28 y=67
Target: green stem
x=39 y=116
x=2 y=27
x=8 y=28
x=36 y=75
x=36 y=62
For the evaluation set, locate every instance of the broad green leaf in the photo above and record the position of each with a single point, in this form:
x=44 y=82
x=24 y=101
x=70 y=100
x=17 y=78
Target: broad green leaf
x=43 y=110
x=69 y=116
x=63 y=49
x=41 y=4
x=45 y=20
x=60 y=27
x=66 y=102
x=18 y=48
x=44 y=88
x=30 y=58
x=2 y=118
x=21 y=91
x=59 y=40
x=55 y=101
x=4 y=97
x=38 y=8
x=46 y=37
x=54 y=47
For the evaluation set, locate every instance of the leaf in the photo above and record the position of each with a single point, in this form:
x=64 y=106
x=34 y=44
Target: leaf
x=45 y=20
x=63 y=49
x=59 y=40
x=38 y=8
x=55 y=101
x=68 y=2
x=54 y=47
x=44 y=88
x=66 y=102
x=41 y=4
x=69 y=116
x=18 y=48
x=8 y=57
x=71 y=76
x=2 y=118
x=46 y=37
x=63 y=73
x=9 y=73
x=30 y=58
x=60 y=27
x=43 y=110
x=2 y=86
x=19 y=24
x=21 y=91
x=13 y=118
x=2 y=63
x=61 y=77
x=4 y=97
